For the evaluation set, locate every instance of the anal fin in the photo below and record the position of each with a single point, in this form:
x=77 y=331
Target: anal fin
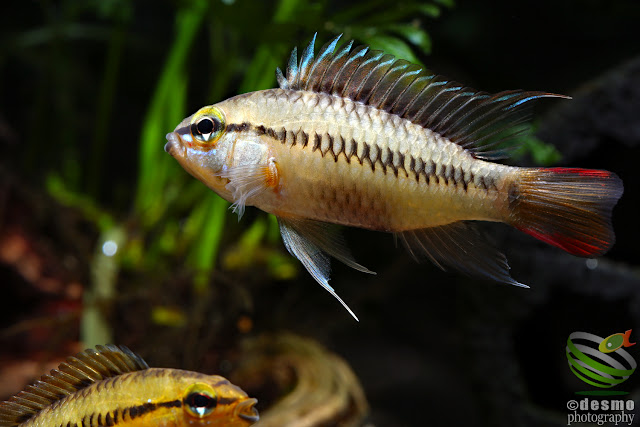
x=312 y=242
x=461 y=246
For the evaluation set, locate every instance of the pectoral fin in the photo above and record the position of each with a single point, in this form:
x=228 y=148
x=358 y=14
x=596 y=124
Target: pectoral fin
x=247 y=181
x=312 y=242
x=462 y=246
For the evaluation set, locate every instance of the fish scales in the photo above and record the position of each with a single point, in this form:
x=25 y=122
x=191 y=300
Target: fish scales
x=356 y=137
x=114 y=387
x=395 y=175
x=115 y=401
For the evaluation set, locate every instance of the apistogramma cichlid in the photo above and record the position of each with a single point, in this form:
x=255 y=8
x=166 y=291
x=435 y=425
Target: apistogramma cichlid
x=111 y=386
x=356 y=137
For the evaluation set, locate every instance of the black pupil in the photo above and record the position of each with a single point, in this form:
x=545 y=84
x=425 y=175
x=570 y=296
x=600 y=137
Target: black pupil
x=205 y=126
x=200 y=400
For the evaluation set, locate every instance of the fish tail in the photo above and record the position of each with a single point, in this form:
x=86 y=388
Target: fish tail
x=566 y=207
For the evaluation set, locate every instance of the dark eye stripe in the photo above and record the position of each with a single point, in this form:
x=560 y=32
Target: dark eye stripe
x=201 y=400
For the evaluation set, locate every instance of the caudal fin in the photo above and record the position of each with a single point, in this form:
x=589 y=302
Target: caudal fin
x=567 y=207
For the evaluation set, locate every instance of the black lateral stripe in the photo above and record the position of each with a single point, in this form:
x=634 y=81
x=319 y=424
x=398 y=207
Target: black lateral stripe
x=482 y=183
x=127 y=414
x=342 y=148
x=433 y=168
x=317 y=140
x=412 y=168
x=226 y=400
x=330 y=149
x=401 y=161
x=354 y=151
x=238 y=127
x=417 y=166
x=365 y=153
x=292 y=137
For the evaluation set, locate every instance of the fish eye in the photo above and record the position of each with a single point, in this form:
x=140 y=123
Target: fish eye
x=200 y=401
x=207 y=125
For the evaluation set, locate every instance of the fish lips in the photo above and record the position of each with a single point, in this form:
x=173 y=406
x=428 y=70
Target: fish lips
x=246 y=410
x=174 y=145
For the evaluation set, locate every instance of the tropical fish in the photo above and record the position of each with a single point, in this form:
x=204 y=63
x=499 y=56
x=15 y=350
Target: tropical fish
x=112 y=386
x=356 y=137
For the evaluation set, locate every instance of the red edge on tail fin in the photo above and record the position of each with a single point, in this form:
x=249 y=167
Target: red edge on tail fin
x=572 y=245
x=594 y=173
x=569 y=208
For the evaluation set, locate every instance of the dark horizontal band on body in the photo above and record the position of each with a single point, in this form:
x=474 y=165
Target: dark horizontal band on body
x=371 y=154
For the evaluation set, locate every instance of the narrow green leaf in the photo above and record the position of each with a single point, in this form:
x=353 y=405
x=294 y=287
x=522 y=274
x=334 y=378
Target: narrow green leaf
x=413 y=34
x=429 y=10
x=394 y=46
x=152 y=175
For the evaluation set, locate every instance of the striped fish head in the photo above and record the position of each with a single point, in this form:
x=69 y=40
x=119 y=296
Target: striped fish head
x=202 y=146
x=213 y=401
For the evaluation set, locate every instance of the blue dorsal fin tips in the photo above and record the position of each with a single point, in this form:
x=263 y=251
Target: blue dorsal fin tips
x=282 y=80
x=306 y=60
x=479 y=122
x=292 y=67
x=319 y=66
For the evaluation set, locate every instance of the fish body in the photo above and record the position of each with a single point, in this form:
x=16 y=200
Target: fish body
x=355 y=137
x=111 y=386
x=347 y=163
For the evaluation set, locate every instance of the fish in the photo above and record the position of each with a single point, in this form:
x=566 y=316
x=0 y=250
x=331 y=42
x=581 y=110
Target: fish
x=112 y=386
x=355 y=137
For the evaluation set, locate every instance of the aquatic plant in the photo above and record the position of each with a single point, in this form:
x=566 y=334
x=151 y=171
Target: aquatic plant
x=166 y=218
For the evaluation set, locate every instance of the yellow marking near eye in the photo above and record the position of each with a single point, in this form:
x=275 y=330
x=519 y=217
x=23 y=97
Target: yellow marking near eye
x=207 y=126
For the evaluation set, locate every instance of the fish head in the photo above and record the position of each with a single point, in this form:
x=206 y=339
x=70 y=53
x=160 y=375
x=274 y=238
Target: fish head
x=201 y=145
x=214 y=401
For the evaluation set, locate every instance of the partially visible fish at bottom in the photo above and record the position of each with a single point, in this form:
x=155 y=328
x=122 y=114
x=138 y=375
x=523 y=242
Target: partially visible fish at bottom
x=112 y=386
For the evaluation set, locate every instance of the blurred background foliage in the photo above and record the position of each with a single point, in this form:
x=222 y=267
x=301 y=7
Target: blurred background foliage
x=89 y=162
x=150 y=257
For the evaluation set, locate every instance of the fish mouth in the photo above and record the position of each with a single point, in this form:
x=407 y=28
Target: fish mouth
x=246 y=410
x=174 y=144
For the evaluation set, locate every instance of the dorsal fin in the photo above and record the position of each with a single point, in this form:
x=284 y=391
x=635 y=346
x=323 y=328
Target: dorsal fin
x=478 y=121
x=75 y=374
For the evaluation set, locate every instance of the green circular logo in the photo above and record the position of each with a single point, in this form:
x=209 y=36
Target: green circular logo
x=594 y=367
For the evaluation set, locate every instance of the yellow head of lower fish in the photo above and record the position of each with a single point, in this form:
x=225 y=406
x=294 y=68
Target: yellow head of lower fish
x=111 y=386
x=205 y=400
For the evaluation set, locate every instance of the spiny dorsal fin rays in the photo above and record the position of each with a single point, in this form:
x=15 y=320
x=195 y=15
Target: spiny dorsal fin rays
x=72 y=375
x=282 y=80
x=320 y=64
x=475 y=120
x=292 y=68
x=369 y=61
x=333 y=69
x=306 y=59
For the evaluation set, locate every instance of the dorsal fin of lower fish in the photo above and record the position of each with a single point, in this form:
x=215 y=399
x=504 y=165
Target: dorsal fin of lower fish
x=478 y=121
x=74 y=374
